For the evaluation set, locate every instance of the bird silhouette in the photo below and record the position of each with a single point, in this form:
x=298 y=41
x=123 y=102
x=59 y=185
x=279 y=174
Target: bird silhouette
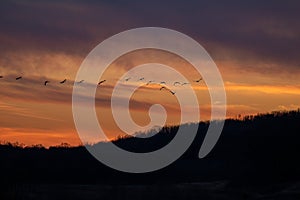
x=63 y=81
x=175 y=83
x=80 y=81
x=18 y=78
x=1 y=76
x=141 y=79
x=149 y=82
x=163 y=82
x=172 y=92
x=163 y=87
x=46 y=82
x=127 y=79
x=185 y=83
x=100 y=82
x=198 y=80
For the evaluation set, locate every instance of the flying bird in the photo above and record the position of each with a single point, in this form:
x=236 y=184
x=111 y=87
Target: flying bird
x=163 y=82
x=127 y=79
x=46 y=82
x=163 y=87
x=198 y=80
x=175 y=83
x=63 y=81
x=172 y=92
x=100 y=82
x=80 y=81
x=18 y=78
x=149 y=82
x=141 y=79
x=185 y=83
x=1 y=76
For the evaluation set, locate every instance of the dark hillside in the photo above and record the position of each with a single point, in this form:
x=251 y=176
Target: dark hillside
x=264 y=147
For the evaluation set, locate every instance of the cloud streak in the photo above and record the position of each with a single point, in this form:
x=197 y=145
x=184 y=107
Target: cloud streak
x=250 y=31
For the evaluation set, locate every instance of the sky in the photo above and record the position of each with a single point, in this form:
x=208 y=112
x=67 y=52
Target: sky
x=255 y=45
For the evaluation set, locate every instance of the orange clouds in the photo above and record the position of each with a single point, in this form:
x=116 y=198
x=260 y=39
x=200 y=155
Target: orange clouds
x=49 y=40
x=33 y=113
x=268 y=89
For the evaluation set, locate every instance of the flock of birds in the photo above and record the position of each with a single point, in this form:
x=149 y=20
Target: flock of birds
x=162 y=83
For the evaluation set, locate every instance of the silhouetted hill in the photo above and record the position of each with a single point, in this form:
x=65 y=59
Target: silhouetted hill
x=253 y=150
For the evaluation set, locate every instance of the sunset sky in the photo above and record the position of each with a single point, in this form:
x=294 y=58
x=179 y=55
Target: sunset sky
x=255 y=45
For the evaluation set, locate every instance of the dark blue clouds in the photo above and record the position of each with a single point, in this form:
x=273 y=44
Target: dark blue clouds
x=266 y=31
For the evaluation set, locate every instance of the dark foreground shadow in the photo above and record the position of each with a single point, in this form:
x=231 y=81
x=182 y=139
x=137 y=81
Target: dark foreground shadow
x=255 y=158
